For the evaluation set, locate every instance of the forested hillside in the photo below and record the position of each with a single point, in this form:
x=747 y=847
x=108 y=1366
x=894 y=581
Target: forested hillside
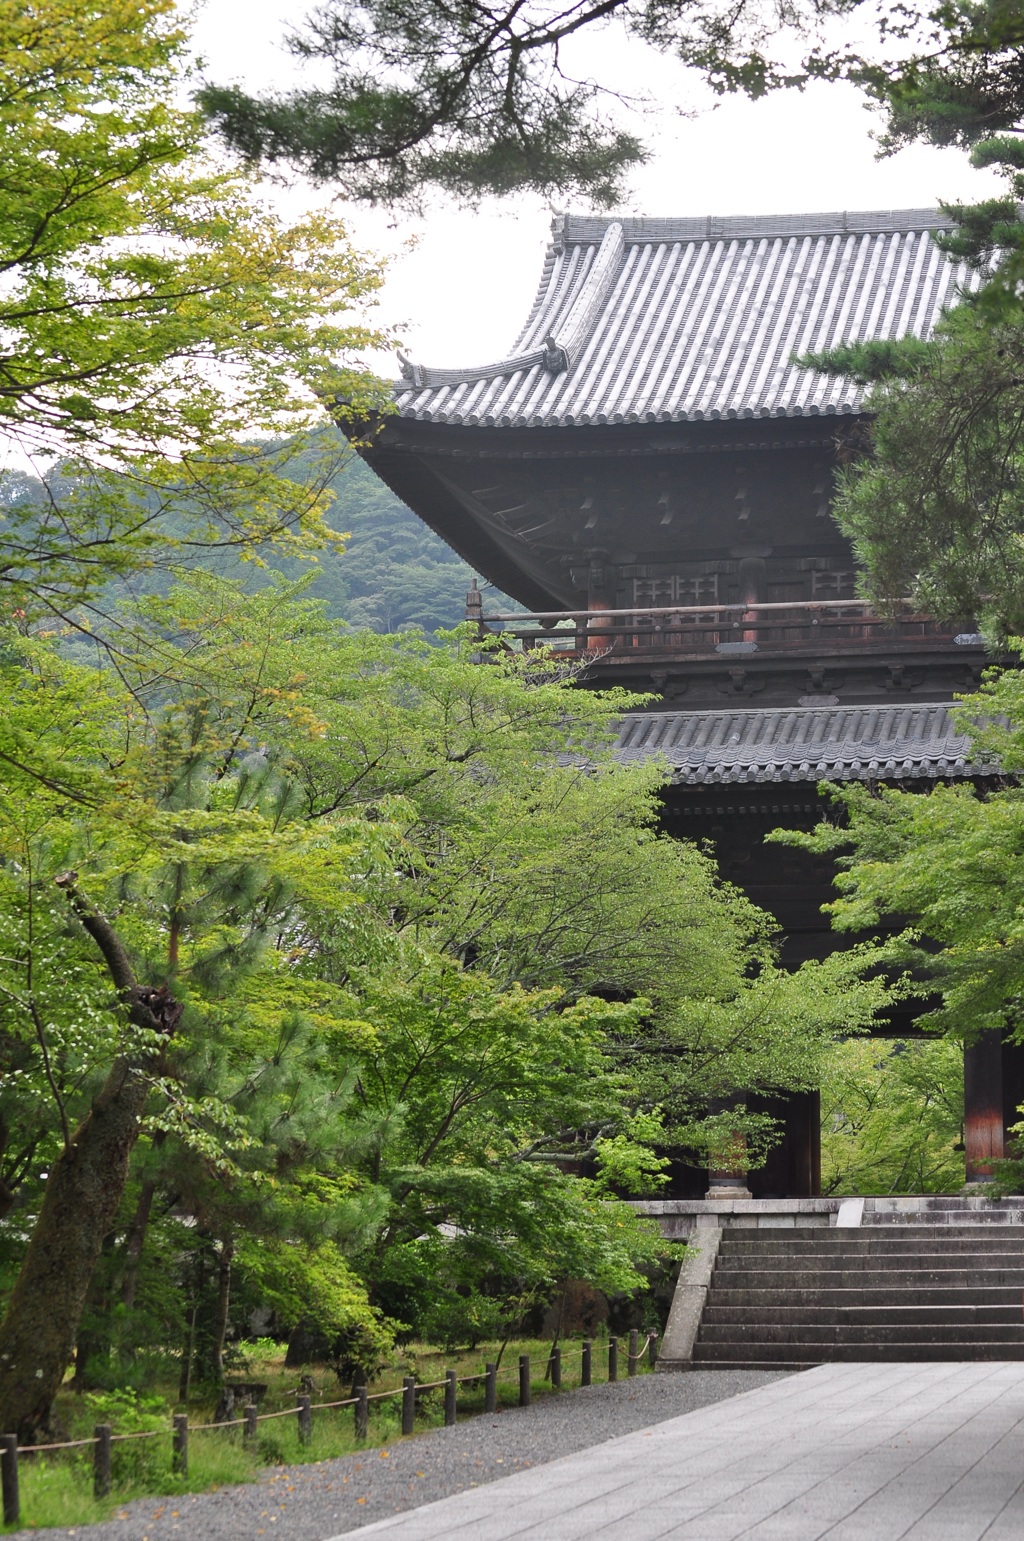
x=395 y=572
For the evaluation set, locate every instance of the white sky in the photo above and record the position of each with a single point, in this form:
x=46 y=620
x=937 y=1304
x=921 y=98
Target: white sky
x=461 y=294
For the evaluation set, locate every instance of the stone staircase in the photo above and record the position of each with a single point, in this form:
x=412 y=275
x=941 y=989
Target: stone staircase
x=890 y=1289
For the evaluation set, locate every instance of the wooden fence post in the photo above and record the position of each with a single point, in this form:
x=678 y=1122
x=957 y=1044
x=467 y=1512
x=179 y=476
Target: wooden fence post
x=652 y=1350
x=555 y=1368
x=409 y=1404
x=586 y=1366
x=179 y=1445
x=101 y=1460
x=613 y=1359
x=9 y=1476
x=305 y=1413
x=524 y=1380
x=451 y=1391
x=250 y=1427
x=362 y=1411
x=634 y=1343
x=491 y=1389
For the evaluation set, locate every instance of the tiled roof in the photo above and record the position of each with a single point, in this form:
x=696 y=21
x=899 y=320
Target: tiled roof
x=814 y=743
x=667 y=320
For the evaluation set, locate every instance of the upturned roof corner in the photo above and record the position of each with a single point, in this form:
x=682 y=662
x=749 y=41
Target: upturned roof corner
x=561 y=345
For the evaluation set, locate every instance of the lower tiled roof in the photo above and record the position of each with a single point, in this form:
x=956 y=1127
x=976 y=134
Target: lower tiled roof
x=814 y=743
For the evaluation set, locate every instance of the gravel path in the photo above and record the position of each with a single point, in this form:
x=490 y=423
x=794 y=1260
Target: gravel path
x=309 y=1503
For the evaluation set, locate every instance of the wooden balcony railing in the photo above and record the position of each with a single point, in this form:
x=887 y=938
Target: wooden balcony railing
x=709 y=631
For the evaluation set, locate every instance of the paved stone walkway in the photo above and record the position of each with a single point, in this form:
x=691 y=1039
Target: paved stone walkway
x=854 y=1452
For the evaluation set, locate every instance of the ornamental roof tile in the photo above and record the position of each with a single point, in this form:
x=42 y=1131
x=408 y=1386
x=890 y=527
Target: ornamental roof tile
x=818 y=743
x=670 y=320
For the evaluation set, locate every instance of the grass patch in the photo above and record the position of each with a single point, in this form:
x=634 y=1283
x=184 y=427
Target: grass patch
x=57 y=1492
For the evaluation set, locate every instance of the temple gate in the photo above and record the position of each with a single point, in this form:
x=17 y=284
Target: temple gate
x=651 y=473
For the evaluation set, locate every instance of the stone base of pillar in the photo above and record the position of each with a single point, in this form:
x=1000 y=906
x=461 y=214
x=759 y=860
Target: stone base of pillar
x=725 y=1187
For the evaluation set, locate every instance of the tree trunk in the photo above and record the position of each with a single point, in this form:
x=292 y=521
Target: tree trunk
x=187 y=1350
x=220 y=1326
x=86 y=1184
x=93 y=1340
x=135 y=1242
x=194 y=1360
x=38 y=1333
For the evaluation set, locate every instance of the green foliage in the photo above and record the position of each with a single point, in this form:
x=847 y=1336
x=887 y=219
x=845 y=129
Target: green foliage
x=316 y=1285
x=209 y=878
x=391 y=574
x=882 y=359
x=473 y=101
x=271 y=916
x=135 y=1464
x=770 y=1032
x=963 y=83
x=57 y=1494
x=936 y=511
x=395 y=573
x=516 y=1232
x=155 y=315
x=408 y=98
x=432 y=950
x=627 y=1160
x=892 y=1117
x=384 y=145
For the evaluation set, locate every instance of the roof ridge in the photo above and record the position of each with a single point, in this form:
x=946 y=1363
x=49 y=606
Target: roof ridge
x=582 y=229
x=792 y=711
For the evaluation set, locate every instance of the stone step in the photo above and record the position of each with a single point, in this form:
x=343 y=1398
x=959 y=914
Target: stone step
x=841 y=1234
x=744 y=1364
x=747 y=1364
x=902 y=1202
x=877 y=1243
x=864 y=1316
x=952 y=1217
x=935 y=1282
x=878 y=1332
x=837 y=1295
x=735 y=1354
x=876 y=1278
x=868 y=1262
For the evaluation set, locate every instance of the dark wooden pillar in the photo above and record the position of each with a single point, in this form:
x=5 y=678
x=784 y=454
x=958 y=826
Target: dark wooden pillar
x=984 y=1129
x=803 y=1133
x=792 y=1169
x=1013 y=1086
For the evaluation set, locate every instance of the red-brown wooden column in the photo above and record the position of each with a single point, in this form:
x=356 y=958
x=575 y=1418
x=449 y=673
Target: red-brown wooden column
x=984 y=1133
x=598 y=598
x=727 y=1169
x=753 y=580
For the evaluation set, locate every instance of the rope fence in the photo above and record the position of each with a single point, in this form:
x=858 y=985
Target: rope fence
x=103 y=1438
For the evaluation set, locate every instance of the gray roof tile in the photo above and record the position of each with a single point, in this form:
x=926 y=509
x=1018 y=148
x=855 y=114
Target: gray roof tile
x=819 y=743
x=667 y=320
